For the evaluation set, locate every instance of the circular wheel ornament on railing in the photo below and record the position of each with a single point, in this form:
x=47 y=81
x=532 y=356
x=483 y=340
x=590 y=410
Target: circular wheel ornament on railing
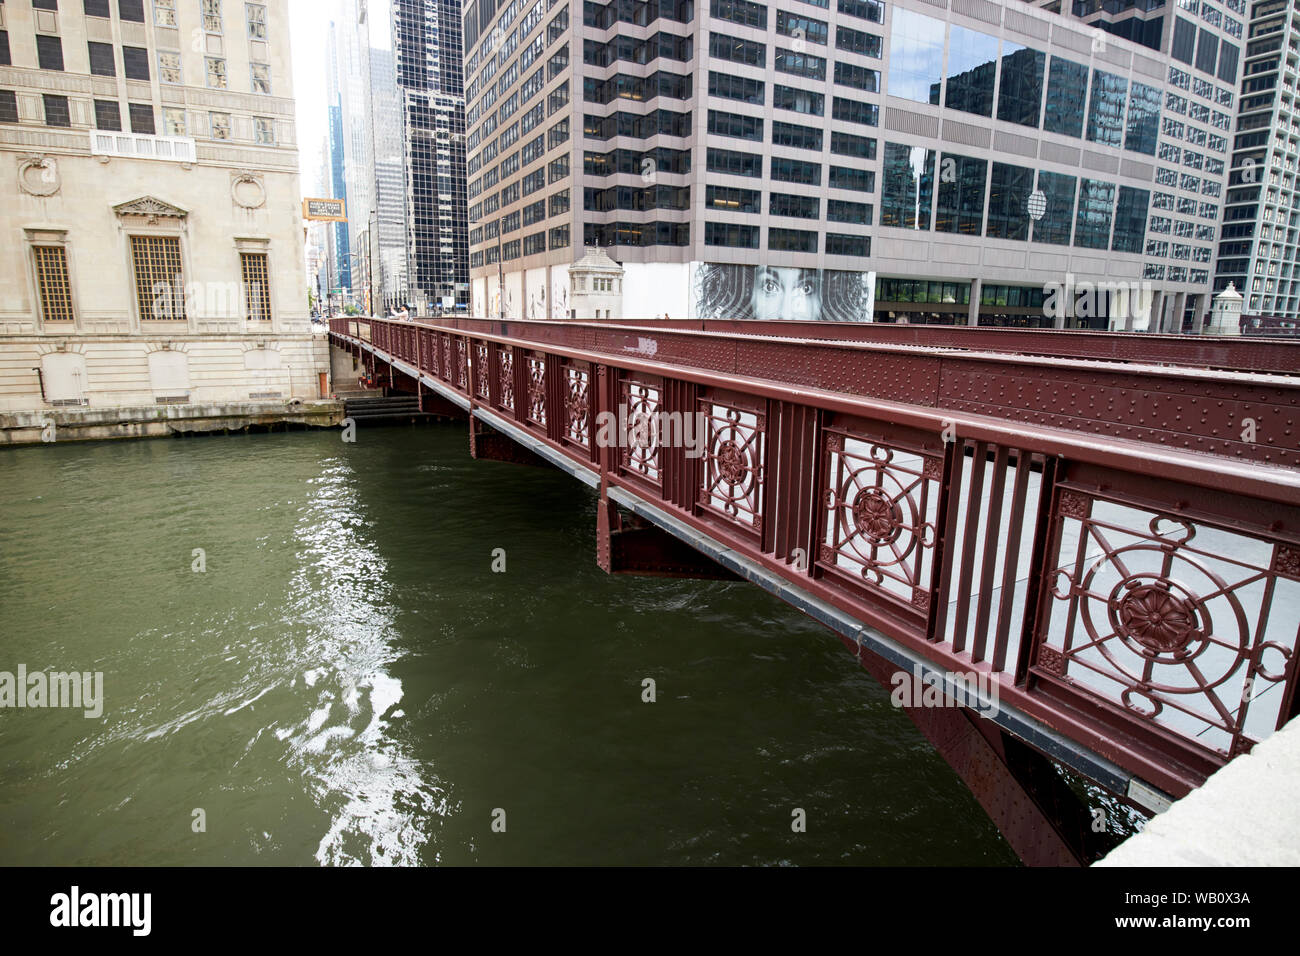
x=877 y=517
x=732 y=462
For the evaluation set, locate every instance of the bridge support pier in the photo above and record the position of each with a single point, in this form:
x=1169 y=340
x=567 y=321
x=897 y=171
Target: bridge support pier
x=1032 y=806
x=625 y=544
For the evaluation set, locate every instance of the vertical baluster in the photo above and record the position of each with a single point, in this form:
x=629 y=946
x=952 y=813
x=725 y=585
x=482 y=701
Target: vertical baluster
x=993 y=541
x=1019 y=496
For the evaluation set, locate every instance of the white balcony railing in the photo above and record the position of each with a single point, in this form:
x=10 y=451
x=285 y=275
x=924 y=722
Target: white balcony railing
x=178 y=149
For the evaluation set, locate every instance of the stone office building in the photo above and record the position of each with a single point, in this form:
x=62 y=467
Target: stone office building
x=153 y=271
x=950 y=161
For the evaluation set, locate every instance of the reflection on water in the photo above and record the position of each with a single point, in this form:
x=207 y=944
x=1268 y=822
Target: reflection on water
x=348 y=682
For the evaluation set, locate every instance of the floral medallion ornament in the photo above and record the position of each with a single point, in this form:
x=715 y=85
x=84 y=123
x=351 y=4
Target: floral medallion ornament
x=877 y=516
x=731 y=462
x=1160 y=621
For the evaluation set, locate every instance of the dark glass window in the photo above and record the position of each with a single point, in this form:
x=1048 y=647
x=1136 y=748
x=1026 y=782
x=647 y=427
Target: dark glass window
x=792 y=134
x=1106 y=108
x=1057 y=219
x=1207 y=52
x=49 y=52
x=1009 y=190
x=96 y=8
x=45 y=4
x=909 y=186
x=795 y=171
x=131 y=10
x=972 y=65
x=108 y=115
x=841 y=210
x=734 y=87
x=1130 y=219
x=855 y=41
x=915 y=56
x=799 y=101
x=731 y=234
x=734 y=124
x=731 y=199
x=792 y=25
x=859 y=180
x=838 y=244
x=1020 y=98
x=101 y=59
x=1228 y=58
x=8 y=106
x=846 y=144
x=1143 y=119
x=872 y=10
x=135 y=63
x=734 y=163
x=799 y=207
x=1067 y=88
x=742 y=12
x=858 y=77
x=141 y=118
x=56 y=110
x=4 y=48
x=1184 y=40
x=853 y=111
x=791 y=240
x=801 y=64
x=1092 y=225
x=737 y=50
x=960 y=207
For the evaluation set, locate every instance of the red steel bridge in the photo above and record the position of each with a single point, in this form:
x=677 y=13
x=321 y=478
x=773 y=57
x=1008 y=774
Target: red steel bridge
x=1104 y=529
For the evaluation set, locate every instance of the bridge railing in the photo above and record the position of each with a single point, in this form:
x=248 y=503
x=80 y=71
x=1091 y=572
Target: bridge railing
x=1112 y=589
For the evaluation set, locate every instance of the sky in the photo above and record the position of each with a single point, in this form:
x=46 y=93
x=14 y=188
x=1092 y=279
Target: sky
x=308 y=29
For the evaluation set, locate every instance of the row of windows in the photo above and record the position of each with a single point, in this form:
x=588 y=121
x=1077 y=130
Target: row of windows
x=135 y=64
x=742 y=126
x=917 y=73
x=108 y=116
x=737 y=200
x=158 y=280
x=781 y=169
x=1019 y=202
x=742 y=236
x=622 y=86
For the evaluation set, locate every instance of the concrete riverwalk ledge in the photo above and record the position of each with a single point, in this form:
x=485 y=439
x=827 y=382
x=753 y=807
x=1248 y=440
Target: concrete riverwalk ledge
x=1247 y=814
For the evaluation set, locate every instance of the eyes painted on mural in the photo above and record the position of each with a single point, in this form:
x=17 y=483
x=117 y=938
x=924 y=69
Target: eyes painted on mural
x=786 y=294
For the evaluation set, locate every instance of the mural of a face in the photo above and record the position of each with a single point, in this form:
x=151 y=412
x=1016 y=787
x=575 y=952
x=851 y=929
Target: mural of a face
x=786 y=293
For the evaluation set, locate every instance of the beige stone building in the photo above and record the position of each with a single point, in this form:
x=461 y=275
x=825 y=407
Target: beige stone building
x=152 y=265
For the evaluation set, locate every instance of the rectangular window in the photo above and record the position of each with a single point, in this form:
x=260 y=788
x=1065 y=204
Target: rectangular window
x=174 y=121
x=256 y=14
x=49 y=52
x=96 y=8
x=730 y=199
x=740 y=11
x=791 y=240
x=733 y=87
x=795 y=171
x=1184 y=40
x=101 y=59
x=220 y=124
x=801 y=28
x=1020 y=97
x=1130 y=219
x=867 y=44
x=1010 y=187
x=858 y=77
x=257 y=286
x=142 y=118
x=216 y=73
x=108 y=115
x=1207 y=52
x=961 y=195
x=169 y=67
x=5 y=58
x=1055 y=225
x=916 y=56
x=736 y=50
x=909 y=187
x=856 y=213
x=734 y=124
x=131 y=10
x=1106 y=108
x=53 y=283
x=853 y=111
x=135 y=62
x=212 y=15
x=1092 y=224
x=1067 y=88
x=264 y=130
x=56 y=110
x=159 y=279
x=798 y=207
x=164 y=13
x=734 y=163
x=801 y=64
x=8 y=106
x=846 y=144
x=798 y=101
x=860 y=180
x=972 y=65
x=799 y=137
x=261 y=77
x=730 y=234
x=839 y=244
